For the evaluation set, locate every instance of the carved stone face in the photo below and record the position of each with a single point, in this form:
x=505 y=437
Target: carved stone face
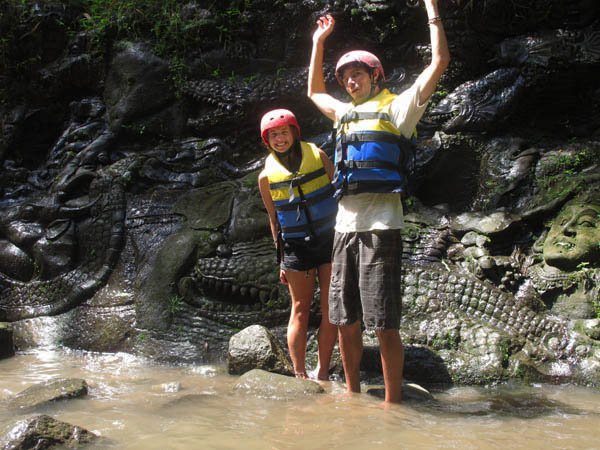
x=574 y=237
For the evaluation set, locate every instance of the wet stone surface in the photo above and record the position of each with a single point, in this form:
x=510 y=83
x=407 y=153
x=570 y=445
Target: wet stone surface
x=264 y=384
x=256 y=347
x=43 y=394
x=42 y=432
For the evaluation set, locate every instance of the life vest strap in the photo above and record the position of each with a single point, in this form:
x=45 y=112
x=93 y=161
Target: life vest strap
x=297 y=181
x=374 y=136
x=405 y=157
x=306 y=202
x=369 y=164
x=308 y=227
x=358 y=187
x=354 y=115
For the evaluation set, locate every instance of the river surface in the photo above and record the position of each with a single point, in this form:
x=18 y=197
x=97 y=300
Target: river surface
x=137 y=404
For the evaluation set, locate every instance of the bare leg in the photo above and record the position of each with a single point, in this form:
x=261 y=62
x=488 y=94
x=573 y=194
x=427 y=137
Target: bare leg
x=392 y=361
x=301 y=285
x=351 y=349
x=327 y=331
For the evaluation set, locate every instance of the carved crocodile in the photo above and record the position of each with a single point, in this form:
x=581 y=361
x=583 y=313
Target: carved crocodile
x=478 y=105
x=528 y=61
x=59 y=247
x=53 y=239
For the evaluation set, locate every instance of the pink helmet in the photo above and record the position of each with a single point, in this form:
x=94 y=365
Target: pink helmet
x=358 y=56
x=276 y=118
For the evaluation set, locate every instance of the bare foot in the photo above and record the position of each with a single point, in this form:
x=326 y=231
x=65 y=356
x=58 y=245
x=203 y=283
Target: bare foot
x=386 y=406
x=322 y=373
x=348 y=394
x=302 y=375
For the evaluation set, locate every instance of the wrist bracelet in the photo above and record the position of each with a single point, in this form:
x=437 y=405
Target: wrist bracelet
x=434 y=20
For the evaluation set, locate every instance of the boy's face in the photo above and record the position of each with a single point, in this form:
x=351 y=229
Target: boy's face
x=357 y=81
x=281 y=138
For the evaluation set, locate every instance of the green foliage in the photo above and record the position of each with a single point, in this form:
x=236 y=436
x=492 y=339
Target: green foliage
x=272 y=303
x=204 y=235
x=505 y=350
x=582 y=265
x=175 y=304
x=159 y=21
x=410 y=201
x=448 y=341
x=596 y=305
x=570 y=164
x=440 y=93
x=250 y=181
x=230 y=21
x=21 y=38
x=173 y=29
x=249 y=79
x=180 y=73
x=563 y=172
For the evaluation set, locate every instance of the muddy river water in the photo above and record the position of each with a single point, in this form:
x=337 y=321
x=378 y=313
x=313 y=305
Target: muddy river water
x=136 y=404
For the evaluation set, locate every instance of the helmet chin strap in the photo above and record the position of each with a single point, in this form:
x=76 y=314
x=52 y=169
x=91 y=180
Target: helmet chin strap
x=292 y=157
x=372 y=88
x=373 y=84
x=285 y=153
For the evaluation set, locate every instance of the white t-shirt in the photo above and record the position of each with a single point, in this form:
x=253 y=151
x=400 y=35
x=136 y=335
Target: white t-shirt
x=369 y=211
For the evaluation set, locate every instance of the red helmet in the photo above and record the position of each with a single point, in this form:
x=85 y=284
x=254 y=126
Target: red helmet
x=276 y=118
x=358 y=56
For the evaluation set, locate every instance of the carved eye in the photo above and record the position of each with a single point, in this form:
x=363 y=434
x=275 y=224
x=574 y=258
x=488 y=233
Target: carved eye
x=28 y=213
x=57 y=228
x=586 y=222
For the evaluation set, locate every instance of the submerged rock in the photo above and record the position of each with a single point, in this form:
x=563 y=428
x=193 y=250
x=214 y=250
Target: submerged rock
x=173 y=386
x=42 y=431
x=185 y=401
x=42 y=394
x=255 y=347
x=271 y=385
x=410 y=392
x=6 y=340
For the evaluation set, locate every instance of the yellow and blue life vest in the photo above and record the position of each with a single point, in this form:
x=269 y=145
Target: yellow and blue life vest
x=303 y=200
x=371 y=154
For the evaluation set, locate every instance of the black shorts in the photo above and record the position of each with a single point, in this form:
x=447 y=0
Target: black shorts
x=300 y=255
x=366 y=280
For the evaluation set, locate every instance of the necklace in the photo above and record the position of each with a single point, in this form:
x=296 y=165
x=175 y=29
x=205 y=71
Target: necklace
x=546 y=278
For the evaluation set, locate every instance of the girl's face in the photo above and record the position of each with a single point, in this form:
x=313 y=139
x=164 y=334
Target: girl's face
x=281 y=138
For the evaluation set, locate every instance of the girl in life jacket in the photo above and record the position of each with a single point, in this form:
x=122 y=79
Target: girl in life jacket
x=295 y=186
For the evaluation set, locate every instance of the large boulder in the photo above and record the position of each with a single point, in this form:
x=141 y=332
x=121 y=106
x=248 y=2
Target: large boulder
x=262 y=384
x=255 y=347
x=42 y=394
x=6 y=340
x=42 y=431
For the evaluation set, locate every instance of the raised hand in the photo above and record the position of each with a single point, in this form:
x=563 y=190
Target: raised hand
x=325 y=27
